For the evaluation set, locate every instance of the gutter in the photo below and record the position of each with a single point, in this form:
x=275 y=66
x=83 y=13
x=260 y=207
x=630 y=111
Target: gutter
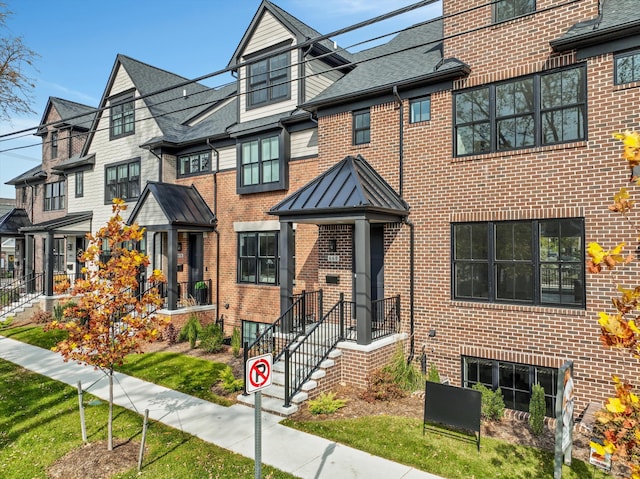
x=215 y=229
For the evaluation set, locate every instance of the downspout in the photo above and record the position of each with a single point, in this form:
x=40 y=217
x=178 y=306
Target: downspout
x=215 y=230
x=159 y=164
x=408 y=222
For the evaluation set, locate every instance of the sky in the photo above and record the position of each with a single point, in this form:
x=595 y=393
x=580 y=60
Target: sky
x=77 y=42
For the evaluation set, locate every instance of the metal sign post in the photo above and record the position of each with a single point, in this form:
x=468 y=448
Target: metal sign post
x=258 y=376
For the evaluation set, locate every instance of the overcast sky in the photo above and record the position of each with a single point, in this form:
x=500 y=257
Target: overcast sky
x=77 y=42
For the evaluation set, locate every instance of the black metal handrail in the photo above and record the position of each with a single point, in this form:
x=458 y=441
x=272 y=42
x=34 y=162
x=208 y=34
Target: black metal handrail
x=305 y=357
x=19 y=292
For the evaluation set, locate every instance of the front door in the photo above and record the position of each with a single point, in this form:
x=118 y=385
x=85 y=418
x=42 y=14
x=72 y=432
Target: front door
x=196 y=260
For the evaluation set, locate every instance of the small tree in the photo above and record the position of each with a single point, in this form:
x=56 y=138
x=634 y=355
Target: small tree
x=537 y=409
x=109 y=319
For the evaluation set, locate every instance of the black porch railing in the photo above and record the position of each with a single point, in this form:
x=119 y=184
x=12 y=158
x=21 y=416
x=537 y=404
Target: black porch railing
x=385 y=319
x=15 y=294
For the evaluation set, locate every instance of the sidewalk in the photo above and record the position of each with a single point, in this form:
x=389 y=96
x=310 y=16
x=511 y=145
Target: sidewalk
x=231 y=428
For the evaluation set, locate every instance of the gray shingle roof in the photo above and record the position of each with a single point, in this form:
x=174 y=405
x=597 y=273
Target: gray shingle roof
x=33 y=175
x=618 y=19
x=74 y=114
x=349 y=187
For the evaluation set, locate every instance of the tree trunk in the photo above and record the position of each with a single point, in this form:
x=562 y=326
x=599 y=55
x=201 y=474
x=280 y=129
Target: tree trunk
x=110 y=423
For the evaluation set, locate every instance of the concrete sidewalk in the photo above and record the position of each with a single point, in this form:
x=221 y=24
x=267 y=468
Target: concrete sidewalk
x=301 y=454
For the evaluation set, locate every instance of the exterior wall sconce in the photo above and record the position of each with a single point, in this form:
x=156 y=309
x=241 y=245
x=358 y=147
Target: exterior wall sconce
x=432 y=333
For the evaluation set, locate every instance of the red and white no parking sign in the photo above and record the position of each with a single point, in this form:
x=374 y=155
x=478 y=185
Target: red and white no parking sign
x=258 y=373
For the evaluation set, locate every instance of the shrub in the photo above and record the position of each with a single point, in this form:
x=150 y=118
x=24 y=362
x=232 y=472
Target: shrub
x=59 y=309
x=170 y=333
x=433 y=375
x=212 y=338
x=229 y=382
x=381 y=386
x=236 y=342
x=191 y=331
x=537 y=409
x=404 y=373
x=492 y=402
x=326 y=403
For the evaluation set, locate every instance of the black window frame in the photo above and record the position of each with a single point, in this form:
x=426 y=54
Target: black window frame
x=501 y=9
x=413 y=118
x=79 y=187
x=261 y=167
x=201 y=158
x=481 y=270
x=492 y=379
x=122 y=107
x=54 y=196
x=266 y=79
x=54 y=144
x=59 y=255
x=483 y=121
x=249 y=262
x=361 y=130
x=111 y=192
x=634 y=57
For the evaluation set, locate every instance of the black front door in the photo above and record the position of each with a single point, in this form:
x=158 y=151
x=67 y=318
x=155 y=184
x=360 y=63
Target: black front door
x=196 y=261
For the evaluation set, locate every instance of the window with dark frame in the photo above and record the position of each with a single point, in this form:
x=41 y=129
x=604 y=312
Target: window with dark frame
x=504 y=10
x=194 y=164
x=627 y=67
x=122 y=181
x=420 y=109
x=54 y=144
x=539 y=262
x=543 y=109
x=514 y=380
x=361 y=127
x=258 y=257
x=79 y=184
x=260 y=164
x=59 y=256
x=54 y=194
x=122 y=116
x=251 y=330
x=268 y=80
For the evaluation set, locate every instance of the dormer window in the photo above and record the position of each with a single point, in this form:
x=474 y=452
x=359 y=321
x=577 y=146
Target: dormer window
x=122 y=118
x=54 y=144
x=268 y=80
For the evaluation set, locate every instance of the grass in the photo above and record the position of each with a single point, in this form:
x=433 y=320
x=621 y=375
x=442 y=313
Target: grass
x=39 y=423
x=452 y=456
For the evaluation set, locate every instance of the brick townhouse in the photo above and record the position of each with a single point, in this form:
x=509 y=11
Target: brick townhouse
x=440 y=187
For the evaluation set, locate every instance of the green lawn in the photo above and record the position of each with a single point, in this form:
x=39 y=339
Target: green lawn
x=39 y=422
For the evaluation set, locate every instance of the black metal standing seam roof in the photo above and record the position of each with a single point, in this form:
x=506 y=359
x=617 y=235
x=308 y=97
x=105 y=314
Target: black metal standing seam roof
x=181 y=205
x=52 y=225
x=12 y=221
x=351 y=185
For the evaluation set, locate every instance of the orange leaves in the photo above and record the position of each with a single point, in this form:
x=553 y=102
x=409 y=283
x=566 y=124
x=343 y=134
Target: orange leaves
x=599 y=257
x=631 y=148
x=622 y=202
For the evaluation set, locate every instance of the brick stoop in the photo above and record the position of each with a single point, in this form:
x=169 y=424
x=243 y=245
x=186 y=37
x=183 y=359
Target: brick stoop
x=273 y=396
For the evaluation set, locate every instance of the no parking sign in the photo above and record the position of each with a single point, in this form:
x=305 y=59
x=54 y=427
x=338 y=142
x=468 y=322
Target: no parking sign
x=258 y=373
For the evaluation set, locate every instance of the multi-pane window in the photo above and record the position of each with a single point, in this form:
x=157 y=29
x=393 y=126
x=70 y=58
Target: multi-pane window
x=268 y=80
x=122 y=118
x=523 y=262
x=260 y=162
x=627 y=67
x=194 y=164
x=54 y=196
x=122 y=181
x=251 y=330
x=514 y=380
x=59 y=259
x=507 y=9
x=543 y=109
x=361 y=127
x=420 y=109
x=54 y=144
x=79 y=184
x=258 y=257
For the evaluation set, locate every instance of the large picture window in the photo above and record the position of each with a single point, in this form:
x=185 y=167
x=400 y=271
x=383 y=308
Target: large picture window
x=261 y=165
x=258 y=257
x=268 y=80
x=514 y=380
x=54 y=194
x=543 y=109
x=122 y=181
x=194 y=164
x=627 y=67
x=522 y=262
x=507 y=9
x=122 y=117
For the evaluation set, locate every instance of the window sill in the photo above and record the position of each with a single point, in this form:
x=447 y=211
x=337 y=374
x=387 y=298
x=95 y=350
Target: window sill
x=523 y=152
x=568 y=311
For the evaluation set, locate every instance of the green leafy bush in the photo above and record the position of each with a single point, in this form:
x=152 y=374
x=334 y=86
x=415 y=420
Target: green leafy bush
x=229 y=382
x=492 y=402
x=404 y=373
x=236 y=342
x=433 y=375
x=326 y=403
x=191 y=331
x=537 y=409
x=212 y=338
x=382 y=386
